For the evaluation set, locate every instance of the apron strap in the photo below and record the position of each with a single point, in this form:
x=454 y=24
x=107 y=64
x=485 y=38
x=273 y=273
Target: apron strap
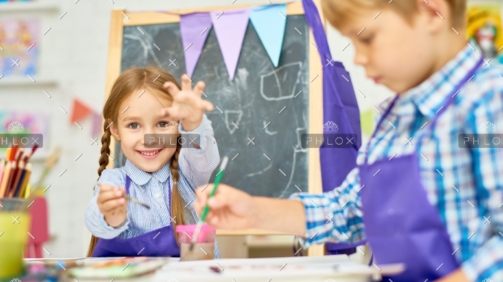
x=313 y=18
x=447 y=103
x=128 y=183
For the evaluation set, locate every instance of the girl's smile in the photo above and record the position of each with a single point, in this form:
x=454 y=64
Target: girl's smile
x=149 y=154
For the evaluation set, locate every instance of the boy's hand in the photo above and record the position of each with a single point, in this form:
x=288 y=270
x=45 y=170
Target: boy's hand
x=456 y=276
x=230 y=208
x=188 y=106
x=112 y=204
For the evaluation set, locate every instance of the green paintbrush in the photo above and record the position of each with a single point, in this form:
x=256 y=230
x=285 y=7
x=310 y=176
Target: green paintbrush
x=207 y=208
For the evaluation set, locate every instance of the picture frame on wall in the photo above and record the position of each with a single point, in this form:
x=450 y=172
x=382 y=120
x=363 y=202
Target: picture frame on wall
x=18 y=39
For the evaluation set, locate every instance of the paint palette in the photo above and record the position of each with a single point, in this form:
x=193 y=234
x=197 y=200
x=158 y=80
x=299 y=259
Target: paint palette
x=117 y=268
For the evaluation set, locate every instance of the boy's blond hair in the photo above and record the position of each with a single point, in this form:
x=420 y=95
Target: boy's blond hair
x=340 y=12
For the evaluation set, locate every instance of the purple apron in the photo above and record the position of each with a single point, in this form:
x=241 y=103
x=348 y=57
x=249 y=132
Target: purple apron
x=401 y=225
x=339 y=107
x=158 y=243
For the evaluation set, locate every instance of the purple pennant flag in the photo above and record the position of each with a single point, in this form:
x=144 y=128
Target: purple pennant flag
x=230 y=27
x=194 y=29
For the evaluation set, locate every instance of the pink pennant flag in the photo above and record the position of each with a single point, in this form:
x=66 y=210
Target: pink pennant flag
x=194 y=29
x=230 y=27
x=97 y=123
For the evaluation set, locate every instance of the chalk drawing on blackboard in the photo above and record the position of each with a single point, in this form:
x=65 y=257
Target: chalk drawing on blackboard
x=146 y=42
x=232 y=119
x=259 y=172
x=242 y=78
x=267 y=130
x=278 y=79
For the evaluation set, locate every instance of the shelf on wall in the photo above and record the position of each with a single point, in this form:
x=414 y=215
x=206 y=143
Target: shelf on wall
x=27 y=81
x=28 y=7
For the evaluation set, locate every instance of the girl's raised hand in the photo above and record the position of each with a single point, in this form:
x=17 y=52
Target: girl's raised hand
x=188 y=105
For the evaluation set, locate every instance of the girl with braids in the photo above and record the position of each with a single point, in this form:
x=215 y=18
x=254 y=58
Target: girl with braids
x=150 y=101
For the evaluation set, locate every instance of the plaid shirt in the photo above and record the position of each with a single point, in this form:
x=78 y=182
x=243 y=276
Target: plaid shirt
x=465 y=185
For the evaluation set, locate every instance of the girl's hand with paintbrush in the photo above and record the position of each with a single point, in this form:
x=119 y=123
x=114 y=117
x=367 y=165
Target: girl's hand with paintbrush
x=112 y=204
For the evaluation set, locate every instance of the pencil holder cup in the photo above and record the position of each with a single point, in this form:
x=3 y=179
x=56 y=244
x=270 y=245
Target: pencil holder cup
x=203 y=249
x=14 y=227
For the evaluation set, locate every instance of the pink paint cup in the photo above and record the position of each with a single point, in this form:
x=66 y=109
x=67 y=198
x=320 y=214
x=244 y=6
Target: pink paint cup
x=203 y=248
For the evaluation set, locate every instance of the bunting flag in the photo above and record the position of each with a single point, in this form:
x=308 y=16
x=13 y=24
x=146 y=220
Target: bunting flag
x=340 y=115
x=194 y=29
x=269 y=23
x=230 y=28
x=79 y=111
x=97 y=123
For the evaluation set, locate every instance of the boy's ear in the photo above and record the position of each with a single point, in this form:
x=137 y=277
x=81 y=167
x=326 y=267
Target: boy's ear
x=115 y=131
x=437 y=12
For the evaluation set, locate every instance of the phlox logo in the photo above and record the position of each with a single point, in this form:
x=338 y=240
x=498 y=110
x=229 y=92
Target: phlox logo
x=15 y=127
x=330 y=127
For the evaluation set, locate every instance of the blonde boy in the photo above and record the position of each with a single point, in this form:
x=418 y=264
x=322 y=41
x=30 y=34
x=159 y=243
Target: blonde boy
x=426 y=191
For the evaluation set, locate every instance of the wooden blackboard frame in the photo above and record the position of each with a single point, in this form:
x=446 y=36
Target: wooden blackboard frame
x=120 y=19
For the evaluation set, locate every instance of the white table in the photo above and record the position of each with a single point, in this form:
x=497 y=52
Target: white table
x=292 y=269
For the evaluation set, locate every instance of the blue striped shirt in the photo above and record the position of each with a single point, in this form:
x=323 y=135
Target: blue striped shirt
x=195 y=169
x=465 y=185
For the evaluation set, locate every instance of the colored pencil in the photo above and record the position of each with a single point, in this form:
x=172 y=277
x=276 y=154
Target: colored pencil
x=25 y=175
x=15 y=172
x=17 y=188
x=35 y=147
x=13 y=153
x=27 y=191
x=30 y=154
x=15 y=183
x=7 y=154
x=26 y=180
x=2 y=167
x=5 y=179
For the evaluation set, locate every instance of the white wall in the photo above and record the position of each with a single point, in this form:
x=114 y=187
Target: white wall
x=75 y=52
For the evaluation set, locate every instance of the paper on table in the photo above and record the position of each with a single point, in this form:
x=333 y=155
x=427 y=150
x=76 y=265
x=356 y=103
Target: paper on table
x=278 y=269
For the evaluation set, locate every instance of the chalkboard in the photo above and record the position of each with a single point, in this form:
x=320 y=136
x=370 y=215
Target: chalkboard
x=259 y=116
